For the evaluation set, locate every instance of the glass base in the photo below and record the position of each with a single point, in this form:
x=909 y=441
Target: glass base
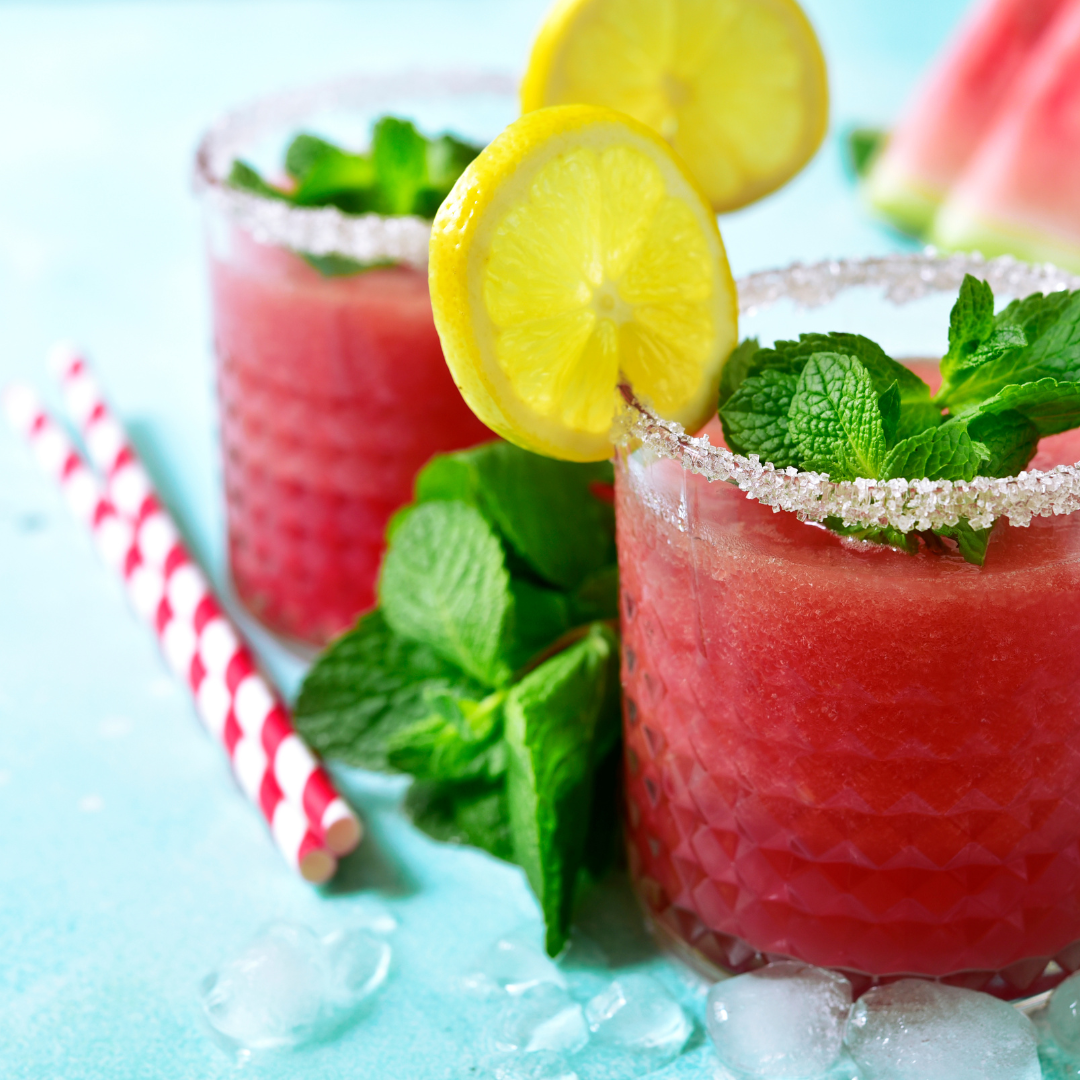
x=1027 y=1001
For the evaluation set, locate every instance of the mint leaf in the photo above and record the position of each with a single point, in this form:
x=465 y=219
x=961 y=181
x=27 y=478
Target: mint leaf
x=834 y=420
x=916 y=410
x=547 y=510
x=875 y=534
x=755 y=417
x=971 y=542
x=943 y=453
x=339 y=265
x=1010 y=439
x=1002 y=339
x=444 y=583
x=399 y=156
x=473 y=813
x=244 y=178
x=1034 y=314
x=597 y=598
x=346 y=181
x=541 y=616
x=552 y=719
x=1050 y=405
x=304 y=152
x=737 y=367
x=459 y=739
x=446 y=158
x=863 y=145
x=366 y=686
x=889 y=407
x=970 y=323
x=1052 y=326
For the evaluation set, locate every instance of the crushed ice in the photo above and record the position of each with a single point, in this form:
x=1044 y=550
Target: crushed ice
x=918 y=1030
x=785 y=1020
x=290 y=987
x=566 y=1021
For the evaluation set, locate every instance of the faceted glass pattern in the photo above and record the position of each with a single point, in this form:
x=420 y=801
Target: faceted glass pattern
x=333 y=393
x=860 y=759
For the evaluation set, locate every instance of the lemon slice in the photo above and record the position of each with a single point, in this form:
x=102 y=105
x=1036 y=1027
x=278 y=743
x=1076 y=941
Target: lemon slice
x=738 y=87
x=574 y=253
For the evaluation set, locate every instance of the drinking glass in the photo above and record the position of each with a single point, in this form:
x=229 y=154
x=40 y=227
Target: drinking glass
x=837 y=752
x=332 y=390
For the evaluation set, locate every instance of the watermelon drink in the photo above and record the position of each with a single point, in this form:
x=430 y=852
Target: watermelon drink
x=333 y=394
x=332 y=386
x=859 y=758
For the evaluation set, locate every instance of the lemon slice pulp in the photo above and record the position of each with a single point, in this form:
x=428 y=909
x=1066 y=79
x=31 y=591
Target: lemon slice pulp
x=738 y=87
x=575 y=253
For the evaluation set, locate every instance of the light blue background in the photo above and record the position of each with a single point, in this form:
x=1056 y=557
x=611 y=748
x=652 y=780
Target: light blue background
x=129 y=863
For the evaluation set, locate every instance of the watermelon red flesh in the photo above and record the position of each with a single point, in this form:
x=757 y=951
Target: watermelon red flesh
x=1020 y=193
x=955 y=107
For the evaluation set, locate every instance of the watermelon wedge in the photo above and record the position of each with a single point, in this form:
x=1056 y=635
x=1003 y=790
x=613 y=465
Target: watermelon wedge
x=955 y=107
x=1020 y=192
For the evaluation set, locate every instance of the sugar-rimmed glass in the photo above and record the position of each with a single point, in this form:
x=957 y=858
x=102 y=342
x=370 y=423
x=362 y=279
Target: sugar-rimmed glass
x=333 y=390
x=855 y=757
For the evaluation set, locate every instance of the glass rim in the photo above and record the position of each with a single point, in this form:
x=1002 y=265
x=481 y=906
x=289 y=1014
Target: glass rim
x=326 y=230
x=902 y=504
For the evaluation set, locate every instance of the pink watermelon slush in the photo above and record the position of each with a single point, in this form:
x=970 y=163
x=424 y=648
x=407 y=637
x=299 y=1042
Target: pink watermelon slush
x=858 y=758
x=334 y=392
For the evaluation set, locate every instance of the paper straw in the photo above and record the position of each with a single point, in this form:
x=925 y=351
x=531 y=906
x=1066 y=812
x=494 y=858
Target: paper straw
x=199 y=626
x=118 y=542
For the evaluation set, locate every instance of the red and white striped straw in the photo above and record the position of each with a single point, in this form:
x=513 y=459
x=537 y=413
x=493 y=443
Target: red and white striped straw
x=118 y=542
x=200 y=641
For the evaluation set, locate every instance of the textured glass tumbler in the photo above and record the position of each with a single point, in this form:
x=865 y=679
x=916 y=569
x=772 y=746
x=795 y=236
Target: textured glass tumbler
x=836 y=752
x=333 y=390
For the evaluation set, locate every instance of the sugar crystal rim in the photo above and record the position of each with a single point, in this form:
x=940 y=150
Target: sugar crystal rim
x=903 y=504
x=325 y=230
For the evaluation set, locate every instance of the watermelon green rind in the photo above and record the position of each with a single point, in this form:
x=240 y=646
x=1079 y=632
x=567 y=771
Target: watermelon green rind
x=958 y=228
x=906 y=203
x=1018 y=194
x=956 y=107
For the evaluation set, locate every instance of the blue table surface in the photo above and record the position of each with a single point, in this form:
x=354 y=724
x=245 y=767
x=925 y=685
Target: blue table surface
x=130 y=865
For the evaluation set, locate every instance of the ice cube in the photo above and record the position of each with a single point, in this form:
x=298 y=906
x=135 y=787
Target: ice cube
x=355 y=966
x=784 y=1021
x=636 y=1013
x=1063 y=1013
x=289 y=986
x=514 y=965
x=916 y=1030
x=543 y=1017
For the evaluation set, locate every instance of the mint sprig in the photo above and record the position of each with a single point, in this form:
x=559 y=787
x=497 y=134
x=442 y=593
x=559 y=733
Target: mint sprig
x=836 y=403
x=834 y=419
x=489 y=672
x=404 y=172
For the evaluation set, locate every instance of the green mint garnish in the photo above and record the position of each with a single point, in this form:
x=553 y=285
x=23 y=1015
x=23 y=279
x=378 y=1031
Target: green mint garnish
x=546 y=510
x=755 y=417
x=943 y=453
x=1010 y=439
x=836 y=403
x=559 y=718
x=244 y=178
x=303 y=154
x=863 y=145
x=737 y=367
x=369 y=684
x=445 y=584
x=486 y=673
x=1051 y=327
x=403 y=173
x=971 y=322
x=834 y=420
